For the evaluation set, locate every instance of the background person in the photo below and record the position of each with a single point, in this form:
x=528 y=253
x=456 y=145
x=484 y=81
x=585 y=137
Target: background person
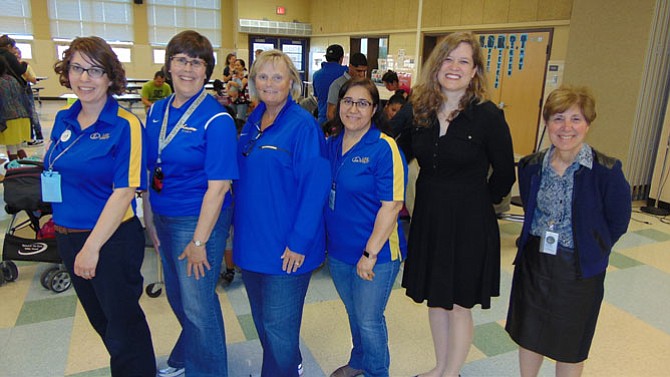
x=365 y=241
x=31 y=79
x=392 y=83
x=230 y=65
x=155 y=90
x=97 y=150
x=279 y=202
x=191 y=142
x=358 y=68
x=14 y=114
x=577 y=204
x=453 y=259
x=330 y=70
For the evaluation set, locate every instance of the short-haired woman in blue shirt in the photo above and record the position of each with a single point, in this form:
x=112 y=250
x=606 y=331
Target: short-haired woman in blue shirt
x=192 y=142
x=365 y=242
x=279 y=200
x=94 y=164
x=577 y=204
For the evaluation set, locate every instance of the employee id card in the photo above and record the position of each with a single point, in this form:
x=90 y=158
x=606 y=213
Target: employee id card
x=51 y=187
x=549 y=243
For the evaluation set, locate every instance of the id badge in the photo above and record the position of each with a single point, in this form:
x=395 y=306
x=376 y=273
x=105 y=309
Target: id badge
x=331 y=197
x=51 y=187
x=549 y=243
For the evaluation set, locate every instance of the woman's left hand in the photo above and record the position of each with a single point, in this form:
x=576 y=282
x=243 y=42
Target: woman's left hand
x=365 y=266
x=292 y=261
x=197 y=260
x=85 y=262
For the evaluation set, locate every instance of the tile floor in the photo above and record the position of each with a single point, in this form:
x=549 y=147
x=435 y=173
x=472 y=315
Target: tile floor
x=47 y=334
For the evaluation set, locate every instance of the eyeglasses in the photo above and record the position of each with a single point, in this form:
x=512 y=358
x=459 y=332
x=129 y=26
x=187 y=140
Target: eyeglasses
x=93 y=72
x=360 y=104
x=181 y=62
x=249 y=146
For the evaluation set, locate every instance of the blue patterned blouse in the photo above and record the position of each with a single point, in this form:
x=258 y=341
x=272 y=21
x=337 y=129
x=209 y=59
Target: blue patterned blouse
x=554 y=199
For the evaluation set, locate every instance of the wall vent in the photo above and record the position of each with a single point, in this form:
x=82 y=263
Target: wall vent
x=265 y=27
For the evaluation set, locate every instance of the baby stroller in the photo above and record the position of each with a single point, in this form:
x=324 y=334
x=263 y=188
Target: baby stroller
x=31 y=238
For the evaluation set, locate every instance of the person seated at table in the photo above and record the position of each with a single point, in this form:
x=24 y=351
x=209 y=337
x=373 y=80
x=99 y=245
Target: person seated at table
x=155 y=90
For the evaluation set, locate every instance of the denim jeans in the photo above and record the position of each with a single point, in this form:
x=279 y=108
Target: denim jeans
x=276 y=306
x=365 y=302
x=201 y=347
x=111 y=298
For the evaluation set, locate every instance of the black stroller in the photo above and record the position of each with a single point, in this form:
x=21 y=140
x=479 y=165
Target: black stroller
x=24 y=239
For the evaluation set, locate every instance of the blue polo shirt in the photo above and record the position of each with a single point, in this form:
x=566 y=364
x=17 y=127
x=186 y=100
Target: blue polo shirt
x=372 y=171
x=204 y=150
x=282 y=191
x=322 y=79
x=108 y=154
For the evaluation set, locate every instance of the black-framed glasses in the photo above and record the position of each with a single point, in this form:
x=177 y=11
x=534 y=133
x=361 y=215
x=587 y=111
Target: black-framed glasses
x=249 y=146
x=182 y=62
x=361 y=104
x=93 y=72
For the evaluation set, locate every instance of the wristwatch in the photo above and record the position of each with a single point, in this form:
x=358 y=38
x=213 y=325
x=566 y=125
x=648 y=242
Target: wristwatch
x=198 y=243
x=366 y=254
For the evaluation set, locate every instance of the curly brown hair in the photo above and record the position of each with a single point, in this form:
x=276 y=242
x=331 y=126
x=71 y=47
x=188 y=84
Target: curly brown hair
x=99 y=53
x=427 y=96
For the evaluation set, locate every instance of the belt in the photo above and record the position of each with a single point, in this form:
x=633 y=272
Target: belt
x=64 y=230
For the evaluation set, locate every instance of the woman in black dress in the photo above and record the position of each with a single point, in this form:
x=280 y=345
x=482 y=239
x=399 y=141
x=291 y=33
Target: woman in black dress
x=464 y=149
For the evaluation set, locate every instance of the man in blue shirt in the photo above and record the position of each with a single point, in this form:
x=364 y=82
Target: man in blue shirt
x=330 y=70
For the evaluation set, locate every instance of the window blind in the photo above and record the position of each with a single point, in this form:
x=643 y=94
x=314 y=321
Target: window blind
x=168 y=17
x=15 y=18
x=111 y=20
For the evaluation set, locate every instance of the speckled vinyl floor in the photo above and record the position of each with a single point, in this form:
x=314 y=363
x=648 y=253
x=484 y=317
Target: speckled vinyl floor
x=47 y=334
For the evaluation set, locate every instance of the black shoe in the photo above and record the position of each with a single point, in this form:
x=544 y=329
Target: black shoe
x=36 y=142
x=227 y=277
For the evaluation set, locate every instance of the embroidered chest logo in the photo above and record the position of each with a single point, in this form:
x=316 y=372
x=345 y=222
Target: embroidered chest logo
x=360 y=160
x=188 y=129
x=99 y=136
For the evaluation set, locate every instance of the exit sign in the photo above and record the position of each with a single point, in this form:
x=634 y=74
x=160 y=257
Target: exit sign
x=281 y=10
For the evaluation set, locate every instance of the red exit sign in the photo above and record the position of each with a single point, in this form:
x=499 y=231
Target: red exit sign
x=281 y=10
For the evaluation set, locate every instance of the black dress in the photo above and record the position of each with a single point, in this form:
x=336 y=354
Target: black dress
x=454 y=242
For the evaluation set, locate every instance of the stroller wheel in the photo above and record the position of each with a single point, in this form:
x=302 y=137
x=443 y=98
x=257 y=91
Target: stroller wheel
x=45 y=279
x=151 y=292
x=9 y=271
x=60 y=281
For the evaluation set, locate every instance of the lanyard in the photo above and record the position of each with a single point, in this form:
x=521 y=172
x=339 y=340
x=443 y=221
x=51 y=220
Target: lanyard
x=163 y=141
x=342 y=159
x=52 y=162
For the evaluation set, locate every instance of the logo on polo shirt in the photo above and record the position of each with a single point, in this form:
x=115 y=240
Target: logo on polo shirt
x=189 y=129
x=360 y=160
x=99 y=136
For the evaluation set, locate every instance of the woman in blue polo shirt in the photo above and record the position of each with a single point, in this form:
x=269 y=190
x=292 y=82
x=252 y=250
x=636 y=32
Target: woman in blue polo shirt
x=94 y=165
x=365 y=242
x=279 y=200
x=191 y=145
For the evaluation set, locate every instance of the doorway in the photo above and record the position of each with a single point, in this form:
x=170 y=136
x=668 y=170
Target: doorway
x=296 y=49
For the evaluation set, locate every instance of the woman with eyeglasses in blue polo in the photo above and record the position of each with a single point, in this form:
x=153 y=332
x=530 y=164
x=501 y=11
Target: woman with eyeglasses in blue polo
x=94 y=164
x=279 y=201
x=191 y=160
x=365 y=242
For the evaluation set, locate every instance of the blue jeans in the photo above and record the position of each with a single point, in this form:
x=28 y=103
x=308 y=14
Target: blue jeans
x=276 y=306
x=365 y=302
x=201 y=347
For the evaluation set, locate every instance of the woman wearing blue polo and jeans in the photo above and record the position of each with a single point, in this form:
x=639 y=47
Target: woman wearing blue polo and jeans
x=365 y=241
x=279 y=200
x=191 y=161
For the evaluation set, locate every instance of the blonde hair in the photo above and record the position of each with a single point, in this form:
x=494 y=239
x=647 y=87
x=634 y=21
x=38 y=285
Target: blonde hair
x=275 y=56
x=427 y=96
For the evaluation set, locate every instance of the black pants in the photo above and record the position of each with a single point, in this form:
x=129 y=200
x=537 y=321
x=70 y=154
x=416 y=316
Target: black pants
x=111 y=298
